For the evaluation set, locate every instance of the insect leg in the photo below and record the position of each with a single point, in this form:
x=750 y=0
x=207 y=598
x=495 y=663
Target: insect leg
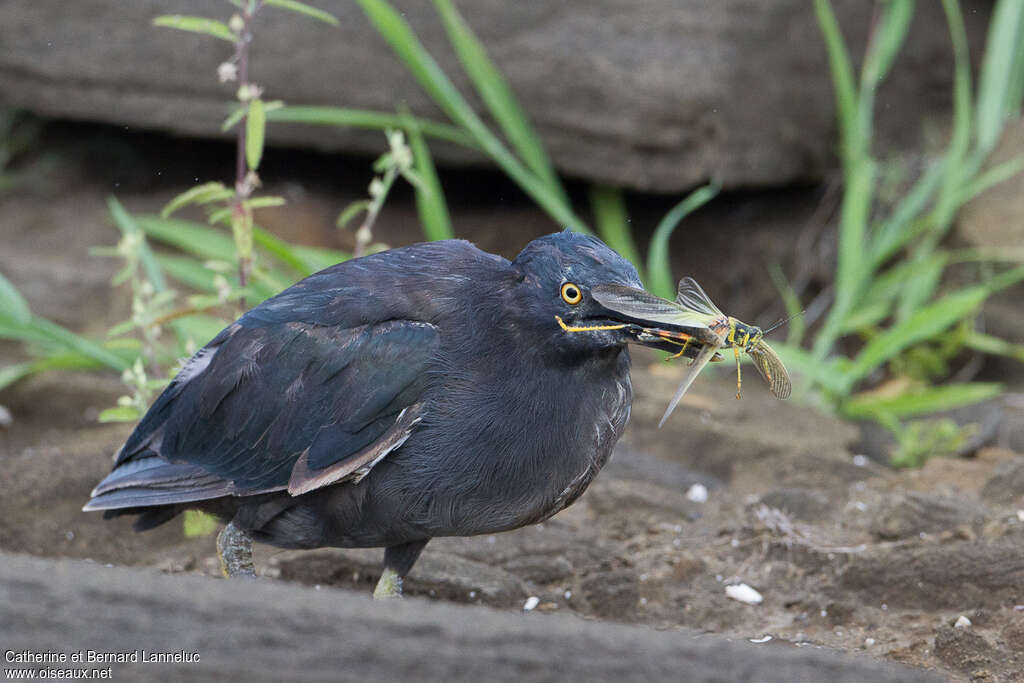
x=739 y=379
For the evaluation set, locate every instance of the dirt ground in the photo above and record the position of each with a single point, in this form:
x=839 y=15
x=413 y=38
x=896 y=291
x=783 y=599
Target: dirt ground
x=924 y=567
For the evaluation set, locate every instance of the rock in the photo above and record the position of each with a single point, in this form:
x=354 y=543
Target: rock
x=806 y=505
x=659 y=95
x=436 y=574
x=1006 y=487
x=963 y=650
x=540 y=569
x=960 y=574
x=267 y=631
x=993 y=218
x=612 y=594
x=904 y=514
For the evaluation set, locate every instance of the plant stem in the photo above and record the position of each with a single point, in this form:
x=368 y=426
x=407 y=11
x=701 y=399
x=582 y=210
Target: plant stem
x=241 y=214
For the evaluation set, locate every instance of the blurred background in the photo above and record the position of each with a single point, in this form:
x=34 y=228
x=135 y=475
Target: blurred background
x=165 y=165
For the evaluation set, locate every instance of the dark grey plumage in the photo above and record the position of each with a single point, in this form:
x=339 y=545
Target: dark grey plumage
x=420 y=392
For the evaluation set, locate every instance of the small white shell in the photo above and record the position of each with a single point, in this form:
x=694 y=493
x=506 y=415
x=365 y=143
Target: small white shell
x=698 y=493
x=744 y=593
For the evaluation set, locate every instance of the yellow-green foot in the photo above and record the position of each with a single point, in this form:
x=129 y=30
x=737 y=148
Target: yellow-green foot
x=389 y=587
x=234 y=549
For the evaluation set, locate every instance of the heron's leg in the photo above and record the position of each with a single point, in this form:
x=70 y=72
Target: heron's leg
x=398 y=560
x=234 y=549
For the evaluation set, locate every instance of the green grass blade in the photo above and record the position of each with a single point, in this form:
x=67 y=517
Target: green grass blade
x=128 y=224
x=609 y=210
x=397 y=32
x=842 y=73
x=883 y=45
x=920 y=286
x=303 y=8
x=1000 y=72
x=993 y=176
x=659 y=266
x=928 y=323
x=825 y=374
x=255 y=128
x=210 y=27
x=67 y=360
x=12 y=303
x=319 y=258
x=202 y=328
x=896 y=231
x=361 y=118
x=498 y=97
x=281 y=250
x=987 y=343
x=66 y=339
x=188 y=271
x=961 y=137
x=893 y=26
x=923 y=402
x=430 y=200
x=190 y=237
x=794 y=310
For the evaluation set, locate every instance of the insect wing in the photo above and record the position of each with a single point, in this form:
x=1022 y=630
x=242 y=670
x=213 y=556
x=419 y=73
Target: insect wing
x=636 y=303
x=690 y=295
x=771 y=368
x=692 y=371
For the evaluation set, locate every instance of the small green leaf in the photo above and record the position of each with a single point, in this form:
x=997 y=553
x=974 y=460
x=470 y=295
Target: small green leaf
x=12 y=303
x=264 y=202
x=351 y=211
x=255 y=127
x=200 y=194
x=303 y=8
x=120 y=414
x=221 y=215
x=209 y=27
x=128 y=225
x=233 y=118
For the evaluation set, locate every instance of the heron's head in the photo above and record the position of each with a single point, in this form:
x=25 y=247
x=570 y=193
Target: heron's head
x=558 y=273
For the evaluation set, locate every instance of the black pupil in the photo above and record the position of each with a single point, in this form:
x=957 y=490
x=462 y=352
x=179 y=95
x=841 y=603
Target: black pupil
x=571 y=293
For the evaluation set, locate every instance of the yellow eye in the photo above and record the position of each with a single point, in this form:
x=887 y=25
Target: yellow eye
x=571 y=294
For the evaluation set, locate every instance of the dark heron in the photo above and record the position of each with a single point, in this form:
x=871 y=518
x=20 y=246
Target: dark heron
x=431 y=390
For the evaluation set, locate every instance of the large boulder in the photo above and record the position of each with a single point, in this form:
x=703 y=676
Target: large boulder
x=650 y=94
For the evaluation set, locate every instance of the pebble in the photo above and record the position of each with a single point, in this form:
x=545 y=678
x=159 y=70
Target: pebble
x=868 y=642
x=698 y=493
x=530 y=603
x=744 y=593
x=758 y=641
x=962 y=622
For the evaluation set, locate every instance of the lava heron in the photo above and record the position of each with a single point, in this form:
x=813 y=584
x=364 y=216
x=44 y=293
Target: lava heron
x=430 y=390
